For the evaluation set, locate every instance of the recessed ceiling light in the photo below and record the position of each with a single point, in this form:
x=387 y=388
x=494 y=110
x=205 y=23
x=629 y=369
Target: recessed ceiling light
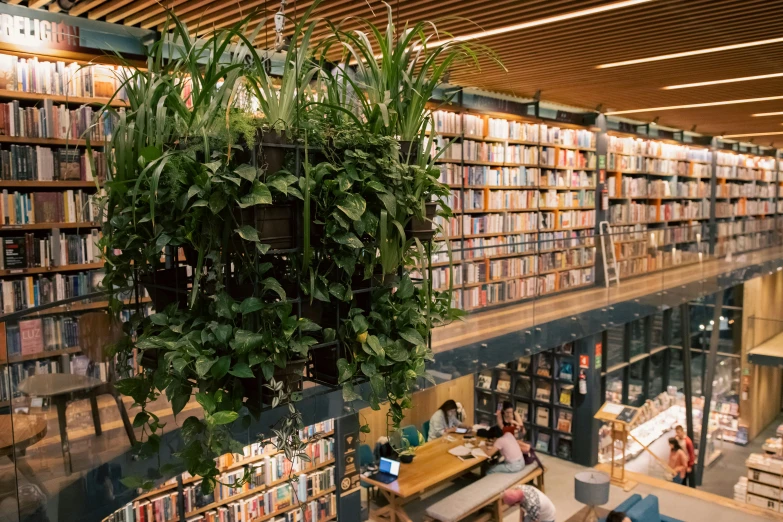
x=751 y=134
x=695 y=105
x=690 y=53
x=542 y=21
x=767 y=114
x=718 y=82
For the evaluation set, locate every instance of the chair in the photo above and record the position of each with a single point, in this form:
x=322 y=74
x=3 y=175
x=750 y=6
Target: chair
x=366 y=458
x=426 y=430
x=411 y=434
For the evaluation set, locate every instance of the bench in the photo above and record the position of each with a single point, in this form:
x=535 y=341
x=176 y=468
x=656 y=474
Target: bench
x=483 y=493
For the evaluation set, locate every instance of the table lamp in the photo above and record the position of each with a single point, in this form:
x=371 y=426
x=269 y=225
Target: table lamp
x=591 y=488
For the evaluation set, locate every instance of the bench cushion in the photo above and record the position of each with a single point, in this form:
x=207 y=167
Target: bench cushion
x=646 y=510
x=458 y=505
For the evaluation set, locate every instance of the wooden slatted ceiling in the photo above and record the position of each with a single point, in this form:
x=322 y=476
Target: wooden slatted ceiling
x=560 y=59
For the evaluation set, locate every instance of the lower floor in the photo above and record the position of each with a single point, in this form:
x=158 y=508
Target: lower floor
x=674 y=501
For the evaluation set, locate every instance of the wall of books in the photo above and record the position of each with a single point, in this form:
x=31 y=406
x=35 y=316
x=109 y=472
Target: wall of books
x=745 y=202
x=278 y=490
x=523 y=196
x=49 y=219
x=541 y=389
x=659 y=202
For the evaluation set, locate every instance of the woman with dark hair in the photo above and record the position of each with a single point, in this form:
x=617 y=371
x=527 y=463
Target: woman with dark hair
x=509 y=421
x=444 y=420
x=617 y=516
x=509 y=448
x=678 y=461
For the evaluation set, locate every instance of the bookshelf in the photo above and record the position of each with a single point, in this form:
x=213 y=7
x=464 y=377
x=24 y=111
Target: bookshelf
x=541 y=389
x=659 y=202
x=523 y=196
x=746 y=202
x=277 y=487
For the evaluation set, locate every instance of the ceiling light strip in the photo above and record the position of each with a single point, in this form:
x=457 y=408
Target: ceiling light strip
x=542 y=21
x=751 y=134
x=767 y=114
x=718 y=82
x=695 y=105
x=691 y=53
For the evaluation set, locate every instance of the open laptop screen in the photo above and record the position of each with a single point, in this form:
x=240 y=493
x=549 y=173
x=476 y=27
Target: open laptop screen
x=392 y=467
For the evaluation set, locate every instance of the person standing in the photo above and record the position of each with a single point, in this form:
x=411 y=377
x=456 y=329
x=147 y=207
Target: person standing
x=534 y=506
x=687 y=444
x=678 y=461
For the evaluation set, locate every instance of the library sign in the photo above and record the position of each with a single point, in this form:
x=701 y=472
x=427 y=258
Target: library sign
x=24 y=31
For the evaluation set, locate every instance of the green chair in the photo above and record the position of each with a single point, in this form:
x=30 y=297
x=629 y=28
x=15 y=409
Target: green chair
x=411 y=434
x=426 y=430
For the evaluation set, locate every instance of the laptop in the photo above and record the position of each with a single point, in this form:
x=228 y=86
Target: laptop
x=389 y=470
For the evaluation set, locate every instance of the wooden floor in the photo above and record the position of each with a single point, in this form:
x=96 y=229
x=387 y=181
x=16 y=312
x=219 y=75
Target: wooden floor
x=481 y=326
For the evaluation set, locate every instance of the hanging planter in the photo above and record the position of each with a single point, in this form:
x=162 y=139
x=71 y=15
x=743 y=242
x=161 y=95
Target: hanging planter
x=423 y=229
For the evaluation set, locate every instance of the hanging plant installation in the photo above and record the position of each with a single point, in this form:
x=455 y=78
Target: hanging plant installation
x=286 y=201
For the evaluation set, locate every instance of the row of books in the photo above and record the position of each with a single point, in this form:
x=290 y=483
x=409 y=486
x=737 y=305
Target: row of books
x=512 y=130
x=472 y=125
x=564 y=219
x=745 y=190
x=59 y=78
x=524 y=288
x=28 y=208
x=553 y=157
x=626 y=213
x=645 y=165
x=453 y=174
x=743 y=173
x=743 y=207
x=316 y=510
x=28 y=163
x=745 y=226
x=36 y=336
x=652 y=148
x=578 y=198
x=642 y=187
x=27 y=292
x=56 y=249
x=745 y=160
x=738 y=244
x=54 y=121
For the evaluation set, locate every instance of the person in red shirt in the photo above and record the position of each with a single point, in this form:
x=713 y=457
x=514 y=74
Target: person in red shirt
x=687 y=444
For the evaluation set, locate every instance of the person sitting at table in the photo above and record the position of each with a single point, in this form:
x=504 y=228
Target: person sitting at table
x=509 y=420
x=534 y=506
x=444 y=420
x=509 y=448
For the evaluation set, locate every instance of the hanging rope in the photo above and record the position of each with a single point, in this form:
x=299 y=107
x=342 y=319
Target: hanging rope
x=280 y=26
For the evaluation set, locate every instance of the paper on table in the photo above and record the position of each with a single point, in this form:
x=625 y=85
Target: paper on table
x=613 y=409
x=479 y=453
x=459 y=451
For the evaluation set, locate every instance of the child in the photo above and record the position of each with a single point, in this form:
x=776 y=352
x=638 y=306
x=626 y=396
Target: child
x=534 y=506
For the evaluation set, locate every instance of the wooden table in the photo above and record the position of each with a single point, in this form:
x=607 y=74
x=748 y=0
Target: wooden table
x=62 y=387
x=432 y=465
x=17 y=433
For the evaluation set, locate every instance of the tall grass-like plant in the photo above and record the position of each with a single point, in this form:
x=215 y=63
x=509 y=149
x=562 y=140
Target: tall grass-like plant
x=398 y=74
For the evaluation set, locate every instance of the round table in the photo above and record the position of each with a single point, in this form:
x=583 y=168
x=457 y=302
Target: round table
x=62 y=387
x=18 y=432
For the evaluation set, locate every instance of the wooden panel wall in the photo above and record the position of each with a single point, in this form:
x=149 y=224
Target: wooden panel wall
x=425 y=403
x=762 y=299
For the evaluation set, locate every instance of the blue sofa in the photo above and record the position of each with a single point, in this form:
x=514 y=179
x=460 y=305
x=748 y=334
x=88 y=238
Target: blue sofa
x=642 y=510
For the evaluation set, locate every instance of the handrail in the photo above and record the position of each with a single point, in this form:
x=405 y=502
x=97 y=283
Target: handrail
x=13 y=316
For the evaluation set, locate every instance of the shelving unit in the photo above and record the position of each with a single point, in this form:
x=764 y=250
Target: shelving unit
x=535 y=386
x=523 y=196
x=765 y=482
x=249 y=498
x=745 y=204
x=659 y=202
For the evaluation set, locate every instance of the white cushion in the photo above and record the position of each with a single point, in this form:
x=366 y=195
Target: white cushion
x=457 y=505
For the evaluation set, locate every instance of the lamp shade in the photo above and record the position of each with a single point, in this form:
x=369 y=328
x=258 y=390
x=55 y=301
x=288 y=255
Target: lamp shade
x=591 y=488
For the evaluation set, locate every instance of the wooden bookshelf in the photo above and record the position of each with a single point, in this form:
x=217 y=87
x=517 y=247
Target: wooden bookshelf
x=72 y=100
x=234 y=466
x=42 y=355
x=49 y=226
x=74 y=142
x=50 y=270
x=290 y=508
x=34 y=184
x=534 y=166
x=259 y=489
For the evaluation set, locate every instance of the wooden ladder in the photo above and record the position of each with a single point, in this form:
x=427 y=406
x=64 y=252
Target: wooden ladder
x=610 y=261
